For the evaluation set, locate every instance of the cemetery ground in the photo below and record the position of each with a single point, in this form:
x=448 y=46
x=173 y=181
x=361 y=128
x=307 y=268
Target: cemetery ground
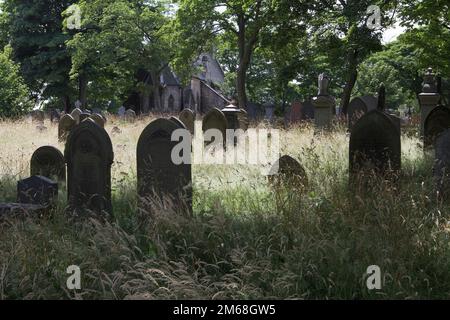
x=245 y=240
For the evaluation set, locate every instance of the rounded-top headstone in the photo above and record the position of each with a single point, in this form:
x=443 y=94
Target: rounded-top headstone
x=89 y=156
x=375 y=144
x=437 y=121
x=288 y=172
x=215 y=119
x=187 y=116
x=48 y=162
x=66 y=124
x=98 y=119
x=76 y=113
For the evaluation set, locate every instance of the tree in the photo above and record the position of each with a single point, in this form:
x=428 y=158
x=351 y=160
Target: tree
x=240 y=21
x=342 y=29
x=38 y=44
x=397 y=67
x=116 y=39
x=14 y=94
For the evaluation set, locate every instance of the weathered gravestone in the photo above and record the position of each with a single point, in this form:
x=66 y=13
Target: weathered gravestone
x=324 y=104
x=89 y=156
x=215 y=119
x=66 y=124
x=187 y=116
x=130 y=115
x=48 y=162
x=441 y=168
x=288 y=172
x=231 y=113
x=76 y=113
x=360 y=106
x=375 y=146
x=308 y=112
x=98 y=119
x=37 y=190
x=429 y=98
x=295 y=114
x=437 y=121
x=178 y=122
x=157 y=173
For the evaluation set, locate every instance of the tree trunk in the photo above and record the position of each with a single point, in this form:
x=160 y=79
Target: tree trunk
x=67 y=105
x=82 y=87
x=352 y=76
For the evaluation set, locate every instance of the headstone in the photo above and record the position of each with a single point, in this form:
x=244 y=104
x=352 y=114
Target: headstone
x=121 y=112
x=76 y=113
x=89 y=156
x=437 y=121
x=37 y=190
x=215 y=119
x=307 y=110
x=441 y=168
x=66 y=124
x=98 y=119
x=178 y=122
x=288 y=172
x=296 y=112
x=156 y=171
x=187 y=116
x=375 y=145
x=360 y=106
x=270 y=110
x=429 y=98
x=48 y=162
x=130 y=115
x=324 y=104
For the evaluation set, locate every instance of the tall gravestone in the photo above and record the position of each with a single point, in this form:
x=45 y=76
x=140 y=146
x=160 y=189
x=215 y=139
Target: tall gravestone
x=429 y=98
x=187 y=116
x=324 y=104
x=130 y=116
x=98 y=119
x=307 y=110
x=375 y=145
x=157 y=173
x=215 y=119
x=66 y=124
x=441 y=168
x=76 y=114
x=48 y=162
x=89 y=156
x=296 y=112
x=360 y=106
x=437 y=121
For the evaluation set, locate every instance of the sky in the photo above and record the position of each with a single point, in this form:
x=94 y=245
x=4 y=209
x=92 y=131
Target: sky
x=392 y=33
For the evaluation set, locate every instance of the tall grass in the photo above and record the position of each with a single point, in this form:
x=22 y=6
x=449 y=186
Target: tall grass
x=244 y=241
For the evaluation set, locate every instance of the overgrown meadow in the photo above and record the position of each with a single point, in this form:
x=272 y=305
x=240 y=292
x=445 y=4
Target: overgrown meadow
x=246 y=240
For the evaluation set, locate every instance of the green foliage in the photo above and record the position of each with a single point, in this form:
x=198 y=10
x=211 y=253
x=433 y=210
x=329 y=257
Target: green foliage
x=115 y=40
x=37 y=40
x=14 y=99
x=397 y=67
